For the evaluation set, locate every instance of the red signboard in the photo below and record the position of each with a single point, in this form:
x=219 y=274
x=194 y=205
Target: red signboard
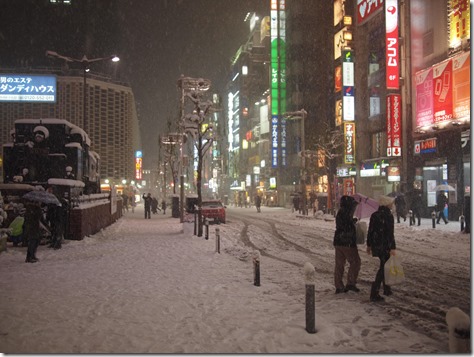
x=442 y=87
x=424 y=97
x=366 y=8
x=391 y=40
x=394 y=124
x=348 y=188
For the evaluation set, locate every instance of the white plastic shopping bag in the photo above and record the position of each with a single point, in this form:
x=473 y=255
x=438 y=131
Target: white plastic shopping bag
x=361 y=232
x=394 y=271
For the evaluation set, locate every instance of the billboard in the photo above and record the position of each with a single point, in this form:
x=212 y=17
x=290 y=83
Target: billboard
x=462 y=86
x=27 y=88
x=367 y=8
x=424 y=97
x=391 y=41
x=442 y=88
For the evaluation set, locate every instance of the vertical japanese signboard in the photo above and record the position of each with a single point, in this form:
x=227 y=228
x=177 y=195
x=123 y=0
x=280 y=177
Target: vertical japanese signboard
x=278 y=79
x=394 y=125
x=349 y=143
x=138 y=165
x=348 y=188
x=348 y=98
x=391 y=41
x=459 y=22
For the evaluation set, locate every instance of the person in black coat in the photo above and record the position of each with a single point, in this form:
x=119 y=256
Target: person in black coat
x=147 y=200
x=346 y=246
x=401 y=208
x=416 y=206
x=381 y=244
x=441 y=202
x=31 y=230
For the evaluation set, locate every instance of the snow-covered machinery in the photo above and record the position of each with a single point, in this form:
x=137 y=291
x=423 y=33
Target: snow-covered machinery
x=42 y=149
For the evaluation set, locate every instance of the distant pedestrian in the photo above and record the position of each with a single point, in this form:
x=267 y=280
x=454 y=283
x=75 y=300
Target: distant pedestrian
x=296 y=203
x=381 y=244
x=258 y=202
x=441 y=202
x=416 y=206
x=154 y=205
x=147 y=202
x=346 y=246
x=124 y=202
x=401 y=207
x=163 y=206
x=31 y=230
x=131 y=198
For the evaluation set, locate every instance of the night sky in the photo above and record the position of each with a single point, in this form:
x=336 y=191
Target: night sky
x=157 y=41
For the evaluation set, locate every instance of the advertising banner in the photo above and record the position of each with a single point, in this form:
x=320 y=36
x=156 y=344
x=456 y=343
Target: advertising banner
x=349 y=143
x=27 y=88
x=462 y=86
x=443 y=102
x=424 y=97
x=348 y=95
x=391 y=40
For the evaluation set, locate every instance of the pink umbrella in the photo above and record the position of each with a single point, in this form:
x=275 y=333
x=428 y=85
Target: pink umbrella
x=365 y=207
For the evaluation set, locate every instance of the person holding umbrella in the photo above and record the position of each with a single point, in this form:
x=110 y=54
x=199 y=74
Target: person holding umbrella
x=441 y=202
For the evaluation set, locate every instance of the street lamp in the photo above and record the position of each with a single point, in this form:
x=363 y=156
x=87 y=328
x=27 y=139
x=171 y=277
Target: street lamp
x=85 y=62
x=301 y=114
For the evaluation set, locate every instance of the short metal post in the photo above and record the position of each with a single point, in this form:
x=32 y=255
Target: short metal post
x=195 y=223
x=256 y=268
x=433 y=218
x=206 y=222
x=410 y=215
x=218 y=241
x=462 y=219
x=309 y=273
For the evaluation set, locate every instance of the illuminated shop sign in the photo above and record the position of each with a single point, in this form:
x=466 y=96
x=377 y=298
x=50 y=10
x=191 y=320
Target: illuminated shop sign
x=278 y=79
x=372 y=169
x=27 y=88
x=425 y=146
x=459 y=19
x=393 y=174
x=348 y=187
x=138 y=168
x=391 y=42
x=349 y=143
x=348 y=97
x=394 y=125
x=367 y=8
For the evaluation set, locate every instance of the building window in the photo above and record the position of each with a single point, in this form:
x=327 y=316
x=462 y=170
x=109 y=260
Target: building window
x=378 y=145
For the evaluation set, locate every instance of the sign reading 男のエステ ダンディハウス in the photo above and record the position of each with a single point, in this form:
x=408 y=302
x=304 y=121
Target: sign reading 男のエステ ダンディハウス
x=27 y=88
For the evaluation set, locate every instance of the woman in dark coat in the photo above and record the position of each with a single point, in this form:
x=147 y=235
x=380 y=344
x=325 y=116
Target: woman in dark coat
x=31 y=230
x=381 y=244
x=345 y=246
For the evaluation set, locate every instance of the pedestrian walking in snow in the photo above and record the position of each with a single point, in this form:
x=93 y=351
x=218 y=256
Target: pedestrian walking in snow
x=381 y=244
x=441 y=202
x=154 y=205
x=401 y=208
x=163 y=206
x=31 y=230
x=258 y=202
x=147 y=201
x=346 y=246
x=416 y=206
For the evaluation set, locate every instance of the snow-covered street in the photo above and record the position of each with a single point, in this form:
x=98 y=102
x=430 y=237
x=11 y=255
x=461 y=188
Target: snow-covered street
x=151 y=286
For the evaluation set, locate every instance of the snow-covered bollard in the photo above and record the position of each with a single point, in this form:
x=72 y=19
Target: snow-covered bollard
x=206 y=223
x=218 y=241
x=459 y=331
x=410 y=216
x=462 y=220
x=433 y=218
x=310 y=279
x=195 y=223
x=256 y=268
